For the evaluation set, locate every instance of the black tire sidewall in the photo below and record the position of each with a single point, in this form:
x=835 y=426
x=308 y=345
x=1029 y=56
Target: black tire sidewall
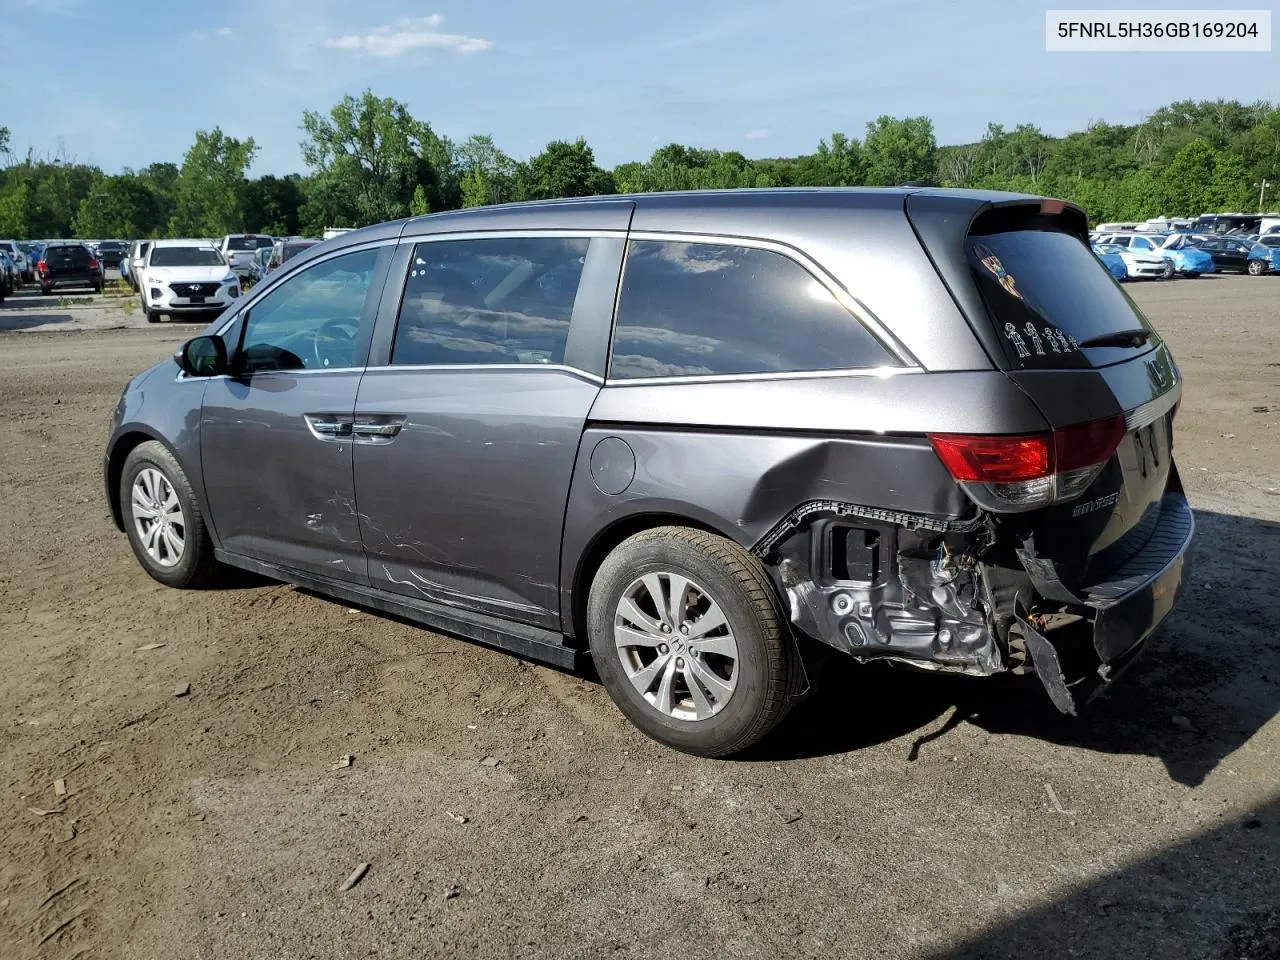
x=193 y=567
x=726 y=731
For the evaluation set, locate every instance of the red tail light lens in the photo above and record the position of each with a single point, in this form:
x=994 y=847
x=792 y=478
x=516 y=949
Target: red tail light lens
x=1016 y=473
x=1087 y=444
x=94 y=265
x=42 y=266
x=979 y=459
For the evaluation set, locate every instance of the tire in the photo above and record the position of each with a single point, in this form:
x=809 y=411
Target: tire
x=152 y=316
x=1168 y=270
x=193 y=563
x=1191 y=276
x=46 y=291
x=1257 y=268
x=758 y=675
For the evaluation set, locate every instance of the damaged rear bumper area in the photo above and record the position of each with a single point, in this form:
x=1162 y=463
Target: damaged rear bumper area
x=968 y=595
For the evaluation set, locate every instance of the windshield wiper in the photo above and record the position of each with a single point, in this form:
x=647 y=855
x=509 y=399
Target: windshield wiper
x=1121 y=338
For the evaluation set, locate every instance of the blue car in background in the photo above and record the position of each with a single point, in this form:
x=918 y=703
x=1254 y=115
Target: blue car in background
x=1264 y=256
x=1111 y=259
x=1189 y=259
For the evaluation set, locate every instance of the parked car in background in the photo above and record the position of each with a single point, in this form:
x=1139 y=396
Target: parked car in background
x=68 y=263
x=25 y=267
x=259 y=265
x=1264 y=256
x=10 y=277
x=284 y=250
x=239 y=249
x=1229 y=254
x=137 y=255
x=186 y=277
x=111 y=252
x=1141 y=259
x=674 y=432
x=1189 y=259
x=1113 y=259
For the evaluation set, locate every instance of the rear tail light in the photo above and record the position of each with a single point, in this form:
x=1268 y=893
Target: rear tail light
x=94 y=265
x=1010 y=474
x=42 y=266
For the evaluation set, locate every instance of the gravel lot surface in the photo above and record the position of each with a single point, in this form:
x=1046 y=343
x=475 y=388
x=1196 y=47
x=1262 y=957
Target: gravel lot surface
x=894 y=815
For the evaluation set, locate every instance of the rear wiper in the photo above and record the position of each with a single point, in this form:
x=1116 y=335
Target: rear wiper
x=1121 y=338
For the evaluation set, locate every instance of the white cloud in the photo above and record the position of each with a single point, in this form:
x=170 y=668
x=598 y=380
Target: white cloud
x=406 y=36
x=199 y=35
x=764 y=133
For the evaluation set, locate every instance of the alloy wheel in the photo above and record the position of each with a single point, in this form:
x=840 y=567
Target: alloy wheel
x=676 y=646
x=158 y=518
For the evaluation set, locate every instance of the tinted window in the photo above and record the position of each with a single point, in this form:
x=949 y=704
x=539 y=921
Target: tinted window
x=6 y=246
x=697 y=309
x=312 y=319
x=1046 y=295
x=293 y=249
x=489 y=301
x=185 y=257
x=242 y=243
x=69 y=253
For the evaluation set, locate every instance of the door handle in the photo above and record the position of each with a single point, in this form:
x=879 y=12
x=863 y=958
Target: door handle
x=327 y=426
x=377 y=429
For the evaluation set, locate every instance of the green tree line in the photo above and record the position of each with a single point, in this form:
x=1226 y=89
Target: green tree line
x=369 y=159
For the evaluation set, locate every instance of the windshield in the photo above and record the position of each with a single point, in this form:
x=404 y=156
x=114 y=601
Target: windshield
x=239 y=244
x=6 y=246
x=1046 y=294
x=185 y=257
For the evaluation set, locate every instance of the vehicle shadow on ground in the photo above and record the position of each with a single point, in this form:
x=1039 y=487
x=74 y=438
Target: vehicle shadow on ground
x=1216 y=895
x=1215 y=667
x=11 y=321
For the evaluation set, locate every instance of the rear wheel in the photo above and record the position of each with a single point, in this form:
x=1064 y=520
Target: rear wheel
x=164 y=522
x=46 y=291
x=687 y=635
x=1257 y=268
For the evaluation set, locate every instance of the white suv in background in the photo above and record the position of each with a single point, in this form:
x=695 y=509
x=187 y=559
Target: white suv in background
x=185 y=276
x=240 y=249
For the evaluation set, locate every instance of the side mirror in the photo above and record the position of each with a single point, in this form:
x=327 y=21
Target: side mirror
x=202 y=357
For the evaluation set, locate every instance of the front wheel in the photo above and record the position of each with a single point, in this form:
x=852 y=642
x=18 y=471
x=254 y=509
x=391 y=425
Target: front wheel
x=688 y=638
x=164 y=522
x=1257 y=268
x=1168 y=270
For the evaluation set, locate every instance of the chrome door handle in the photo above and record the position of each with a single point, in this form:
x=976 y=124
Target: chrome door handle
x=328 y=427
x=374 y=428
x=377 y=429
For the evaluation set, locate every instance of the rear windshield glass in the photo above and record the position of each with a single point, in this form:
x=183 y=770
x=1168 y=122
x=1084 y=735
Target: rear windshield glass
x=243 y=243
x=72 y=252
x=185 y=257
x=293 y=249
x=6 y=247
x=1047 y=293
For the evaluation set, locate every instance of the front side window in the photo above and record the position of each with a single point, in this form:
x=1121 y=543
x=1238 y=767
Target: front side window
x=704 y=309
x=311 y=320
x=505 y=300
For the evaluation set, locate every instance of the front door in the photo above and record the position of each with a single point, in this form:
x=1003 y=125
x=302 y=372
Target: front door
x=466 y=435
x=275 y=436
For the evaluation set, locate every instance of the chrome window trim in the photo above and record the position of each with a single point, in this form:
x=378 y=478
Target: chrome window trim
x=857 y=309
x=527 y=233
x=877 y=372
x=301 y=372
x=474 y=367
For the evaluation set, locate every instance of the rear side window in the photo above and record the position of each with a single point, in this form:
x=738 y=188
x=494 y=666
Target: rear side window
x=1047 y=294
x=705 y=309
x=505 y=300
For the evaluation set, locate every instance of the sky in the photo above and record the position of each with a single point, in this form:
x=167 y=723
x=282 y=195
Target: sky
x=126 y=84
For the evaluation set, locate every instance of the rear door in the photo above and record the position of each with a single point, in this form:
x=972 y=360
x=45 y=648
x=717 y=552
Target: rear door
x=469 y=416
x=1084 y=352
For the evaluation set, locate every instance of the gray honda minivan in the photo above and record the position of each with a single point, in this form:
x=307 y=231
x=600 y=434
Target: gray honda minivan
x=675 y=433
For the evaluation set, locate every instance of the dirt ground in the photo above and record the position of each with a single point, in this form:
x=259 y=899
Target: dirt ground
x=893 y=816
